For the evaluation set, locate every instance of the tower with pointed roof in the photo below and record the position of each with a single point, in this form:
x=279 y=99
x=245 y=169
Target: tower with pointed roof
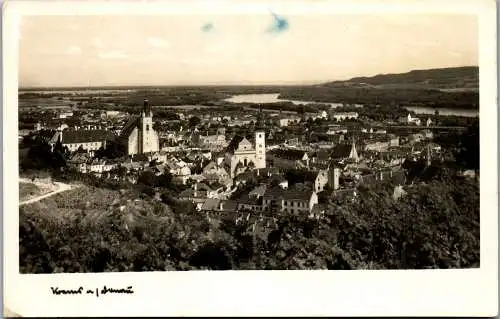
x=354 y=153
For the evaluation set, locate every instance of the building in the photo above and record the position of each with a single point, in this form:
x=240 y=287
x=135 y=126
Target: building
x=286 y=121
x=334 y=178
x=341 y=116
x=320 y=181
x=343 y=151
x=381 y=144
x=410 y=120
x=138 y=135
x=216 y=141
x=290 y=158
x=64 y=115
x=243 y=154
x=293 y=200
x=88 y=140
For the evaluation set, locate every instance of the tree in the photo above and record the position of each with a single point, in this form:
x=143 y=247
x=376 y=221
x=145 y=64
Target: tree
x=147 y=178
x=194 y=121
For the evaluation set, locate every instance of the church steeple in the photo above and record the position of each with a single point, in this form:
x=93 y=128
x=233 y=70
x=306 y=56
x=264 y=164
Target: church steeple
x=354 y=153
x=146 y=111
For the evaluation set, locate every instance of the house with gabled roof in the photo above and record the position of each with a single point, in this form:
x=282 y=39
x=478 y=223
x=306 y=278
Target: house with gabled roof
x=296 y=199
x=88 y=140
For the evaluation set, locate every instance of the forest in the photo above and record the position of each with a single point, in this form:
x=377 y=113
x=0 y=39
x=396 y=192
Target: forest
x=435 y=225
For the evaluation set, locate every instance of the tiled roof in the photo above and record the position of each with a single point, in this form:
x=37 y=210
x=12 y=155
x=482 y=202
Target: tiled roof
x=86 y=136
x=341 y=151
x=129 y=126
x=295 y=193
x=233 y=145
x=289 y=154
x=322 y=155
x=258 y=191
x=211 y=204
x=229 y=205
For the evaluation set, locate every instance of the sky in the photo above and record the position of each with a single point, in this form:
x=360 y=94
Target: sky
x=250 y=49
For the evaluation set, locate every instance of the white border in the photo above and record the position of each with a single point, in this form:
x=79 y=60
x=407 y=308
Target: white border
x=254 y=293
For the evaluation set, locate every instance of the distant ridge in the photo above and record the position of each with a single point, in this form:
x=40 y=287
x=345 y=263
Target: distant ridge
x=466 y=77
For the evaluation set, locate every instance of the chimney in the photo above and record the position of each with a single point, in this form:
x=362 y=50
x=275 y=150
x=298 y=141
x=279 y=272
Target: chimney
x=195 y=193
x=221 y=206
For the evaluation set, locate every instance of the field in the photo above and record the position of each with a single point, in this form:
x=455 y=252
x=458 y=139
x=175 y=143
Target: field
x=28 y=190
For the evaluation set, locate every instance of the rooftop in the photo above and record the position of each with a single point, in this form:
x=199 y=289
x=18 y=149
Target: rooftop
x=86 y=136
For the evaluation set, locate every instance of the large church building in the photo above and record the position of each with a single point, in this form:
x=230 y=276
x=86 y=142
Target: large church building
x=138 y=134
x=246 y=152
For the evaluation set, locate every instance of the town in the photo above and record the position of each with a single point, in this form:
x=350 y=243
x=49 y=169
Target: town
x=256 y=162
x=223 y=158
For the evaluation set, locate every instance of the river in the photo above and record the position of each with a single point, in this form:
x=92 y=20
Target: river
x=273 y=98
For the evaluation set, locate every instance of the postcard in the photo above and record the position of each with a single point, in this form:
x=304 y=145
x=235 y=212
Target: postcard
x=248 y=158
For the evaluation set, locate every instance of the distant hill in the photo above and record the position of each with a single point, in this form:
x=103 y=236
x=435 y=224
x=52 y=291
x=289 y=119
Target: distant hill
x=456 y=78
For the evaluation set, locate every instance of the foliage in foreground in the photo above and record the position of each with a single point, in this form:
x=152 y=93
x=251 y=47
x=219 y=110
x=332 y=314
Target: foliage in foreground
x=436 y=225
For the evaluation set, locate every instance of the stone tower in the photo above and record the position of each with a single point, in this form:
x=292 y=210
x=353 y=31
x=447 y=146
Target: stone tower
x=333 y=177
x=260 y=149
x=148 y=141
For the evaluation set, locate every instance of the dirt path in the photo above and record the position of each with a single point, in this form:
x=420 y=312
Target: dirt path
x=58 y=187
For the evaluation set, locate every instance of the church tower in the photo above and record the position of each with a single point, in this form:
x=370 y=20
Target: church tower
x=354 y=154
x=148 y=140
x=260 y=149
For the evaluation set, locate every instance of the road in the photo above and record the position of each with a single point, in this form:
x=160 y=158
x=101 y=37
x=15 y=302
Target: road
x=61 y=187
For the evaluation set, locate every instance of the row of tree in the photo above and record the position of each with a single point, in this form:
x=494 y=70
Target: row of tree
x=435 y=225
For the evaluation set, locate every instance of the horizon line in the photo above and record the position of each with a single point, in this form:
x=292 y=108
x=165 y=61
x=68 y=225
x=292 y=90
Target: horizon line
x=231 y=84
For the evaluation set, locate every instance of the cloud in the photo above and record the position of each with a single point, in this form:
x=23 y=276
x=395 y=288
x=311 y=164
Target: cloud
x=157 y=42
x=73 y=50
x=113 y=55
x=97 y=42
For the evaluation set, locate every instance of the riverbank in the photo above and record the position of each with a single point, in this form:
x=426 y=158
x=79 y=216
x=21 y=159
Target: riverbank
x=270 y=98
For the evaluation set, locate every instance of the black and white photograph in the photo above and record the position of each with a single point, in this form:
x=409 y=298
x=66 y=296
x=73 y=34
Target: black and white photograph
x=267 y=140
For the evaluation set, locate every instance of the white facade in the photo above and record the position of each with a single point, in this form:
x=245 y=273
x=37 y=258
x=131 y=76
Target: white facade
x=340 y=116
x=414 y=120
x=247 y=153
x=321 y=181
x=89 y=146
x=139 y=134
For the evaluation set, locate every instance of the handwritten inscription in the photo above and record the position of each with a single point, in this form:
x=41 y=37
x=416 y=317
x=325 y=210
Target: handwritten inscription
x=97 y=292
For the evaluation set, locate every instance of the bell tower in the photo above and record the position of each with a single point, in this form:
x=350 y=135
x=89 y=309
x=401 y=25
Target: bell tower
x=146 y=138
x=260 y=149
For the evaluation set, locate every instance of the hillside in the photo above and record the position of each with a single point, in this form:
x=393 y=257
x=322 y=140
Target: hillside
x=437 y=88
x=445 y=78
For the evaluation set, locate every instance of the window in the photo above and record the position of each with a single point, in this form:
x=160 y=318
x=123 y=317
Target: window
x=260 y=135
x=147 y=127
